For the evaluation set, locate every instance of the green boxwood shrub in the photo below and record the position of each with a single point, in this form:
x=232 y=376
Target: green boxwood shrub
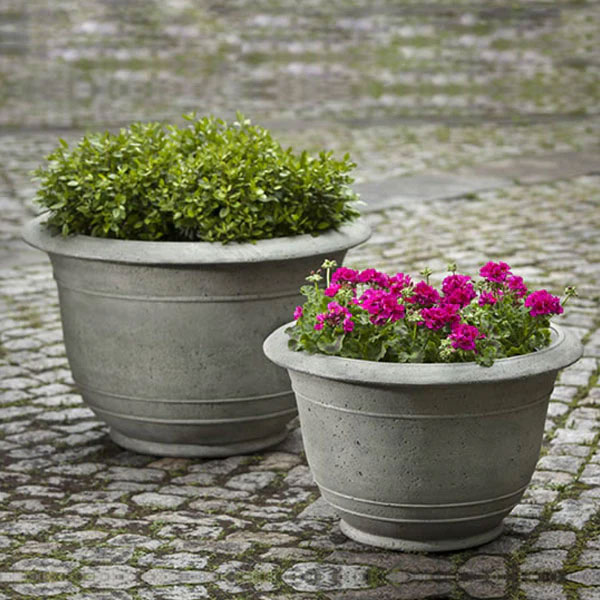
x=208 y=181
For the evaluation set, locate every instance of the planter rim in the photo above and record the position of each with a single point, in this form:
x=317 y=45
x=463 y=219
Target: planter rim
x=36 y=234
x=564 y=350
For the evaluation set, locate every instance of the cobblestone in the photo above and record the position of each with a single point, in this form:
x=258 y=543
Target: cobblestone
x=586 y=576
x=570 y=464
x=116 y=577
x=158 y=500
x=176 y=592
x=543 y=591
x=555 y=539
x=44 y=590
x=112 y=595
x=591 y=474
x=590 y=558
x=251 y=482
x=160 y=577
x=314 y=577
x=50 y=565
x=485 y=588
x=102 y=554
x=544 y=561
x=575 y=513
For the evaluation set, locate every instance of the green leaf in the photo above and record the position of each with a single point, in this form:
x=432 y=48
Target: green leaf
x=208 y=180
x=331 y=347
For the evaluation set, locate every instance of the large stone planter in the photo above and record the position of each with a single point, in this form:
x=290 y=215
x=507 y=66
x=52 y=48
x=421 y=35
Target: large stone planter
x=426 y=457
x=164 y=338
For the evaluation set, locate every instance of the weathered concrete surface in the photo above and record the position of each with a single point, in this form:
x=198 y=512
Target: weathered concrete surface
x=405 y=190
x=546 y=167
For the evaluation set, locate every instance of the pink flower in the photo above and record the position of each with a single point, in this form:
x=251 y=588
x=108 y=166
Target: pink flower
x=454 y=281
x=489 y=298
x=438 y=316
x=458 y=289
x=463 y=336
x=332 y=290
x=345 y=275
x=516 y=285
x=382 y=306
x=297 y=312
x=398 y=282
x=348 y=325
x=336 y=314
x=337 y=309
x=374 y=278
x=543 y=303
x=496 y=272
x=424 y=295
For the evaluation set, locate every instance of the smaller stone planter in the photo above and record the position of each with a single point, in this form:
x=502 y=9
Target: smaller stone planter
x=424 y=457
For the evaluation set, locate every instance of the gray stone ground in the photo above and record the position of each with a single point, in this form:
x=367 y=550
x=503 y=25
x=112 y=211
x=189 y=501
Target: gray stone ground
x=475 y=130
x=81 y=518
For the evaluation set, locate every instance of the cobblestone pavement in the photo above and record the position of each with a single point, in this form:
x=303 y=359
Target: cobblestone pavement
x=82 y=519
x=423 y=94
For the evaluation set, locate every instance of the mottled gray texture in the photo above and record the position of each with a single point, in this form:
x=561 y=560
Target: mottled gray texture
x=156 y=390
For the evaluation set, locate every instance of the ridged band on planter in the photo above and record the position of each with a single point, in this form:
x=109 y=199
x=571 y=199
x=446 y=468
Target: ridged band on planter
x=164 y=338
x=426 y=457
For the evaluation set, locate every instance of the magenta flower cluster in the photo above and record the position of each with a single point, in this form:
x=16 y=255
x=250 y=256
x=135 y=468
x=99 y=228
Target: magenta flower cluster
x=495 y=272
x=395 y=317
x=437 y=317
x=543 y=303
x=458 y=289
x=336 y=314
x=382 y=306
x=464 y=336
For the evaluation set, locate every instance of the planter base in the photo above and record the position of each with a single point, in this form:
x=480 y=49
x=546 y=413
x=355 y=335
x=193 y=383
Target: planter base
x=195 y=450
x=390 y=543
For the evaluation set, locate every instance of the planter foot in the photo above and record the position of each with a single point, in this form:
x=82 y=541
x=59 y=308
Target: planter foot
x=195 y=450
x=403 y=545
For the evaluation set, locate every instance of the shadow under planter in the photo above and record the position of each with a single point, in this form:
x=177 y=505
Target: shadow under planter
x=424 y=457
x=164 y=338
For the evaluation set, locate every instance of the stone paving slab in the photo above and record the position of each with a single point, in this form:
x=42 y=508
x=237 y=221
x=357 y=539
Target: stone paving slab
x=428 y=186
x=423 y=187
x=544 y=168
